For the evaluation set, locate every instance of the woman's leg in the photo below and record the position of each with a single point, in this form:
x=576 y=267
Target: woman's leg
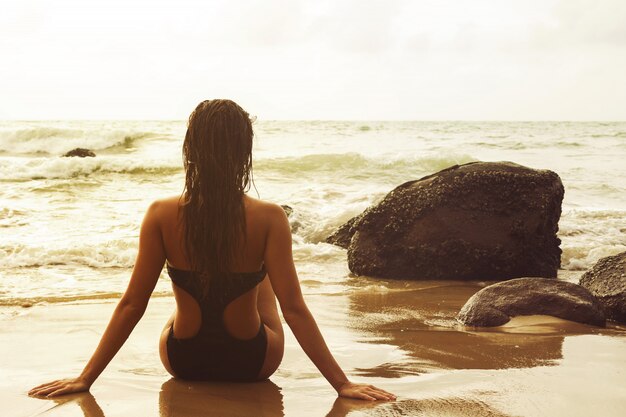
x=266 y=304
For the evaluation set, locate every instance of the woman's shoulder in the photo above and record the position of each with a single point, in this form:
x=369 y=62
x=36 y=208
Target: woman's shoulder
x=257 y=210
x=164 y=207
x=263 y=208
x=167 y=203
x=255 y=204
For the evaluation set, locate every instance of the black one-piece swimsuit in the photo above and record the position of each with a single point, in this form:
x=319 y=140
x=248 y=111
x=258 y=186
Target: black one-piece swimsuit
x=213 y=354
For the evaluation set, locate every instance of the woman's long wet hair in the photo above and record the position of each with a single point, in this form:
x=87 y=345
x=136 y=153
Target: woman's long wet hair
x=217 y=155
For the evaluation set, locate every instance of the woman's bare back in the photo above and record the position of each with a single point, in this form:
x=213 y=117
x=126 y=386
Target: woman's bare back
x=243 y=316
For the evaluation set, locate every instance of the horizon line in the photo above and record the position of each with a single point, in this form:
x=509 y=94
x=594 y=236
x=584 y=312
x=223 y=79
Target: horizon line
x=257 y=119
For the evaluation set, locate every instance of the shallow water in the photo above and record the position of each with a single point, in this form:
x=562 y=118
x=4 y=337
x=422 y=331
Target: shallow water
x=69 y=225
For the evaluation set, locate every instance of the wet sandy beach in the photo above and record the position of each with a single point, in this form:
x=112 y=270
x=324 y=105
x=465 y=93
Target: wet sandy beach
x=398 y=335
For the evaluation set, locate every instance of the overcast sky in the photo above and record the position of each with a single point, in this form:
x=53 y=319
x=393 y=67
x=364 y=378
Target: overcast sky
x=316 y=59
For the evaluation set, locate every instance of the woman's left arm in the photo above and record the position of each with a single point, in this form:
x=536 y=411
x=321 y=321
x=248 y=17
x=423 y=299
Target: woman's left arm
x=129 y=310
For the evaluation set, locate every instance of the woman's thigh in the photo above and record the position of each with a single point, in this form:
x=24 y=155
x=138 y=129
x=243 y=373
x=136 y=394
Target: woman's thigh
x=163 y=345
x=268 y=311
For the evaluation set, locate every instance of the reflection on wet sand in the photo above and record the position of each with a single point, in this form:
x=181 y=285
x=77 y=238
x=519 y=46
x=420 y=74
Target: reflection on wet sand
x=191 y=399
x=420 y=319
x=180 y=398
x=85 y=400
x=448 y=407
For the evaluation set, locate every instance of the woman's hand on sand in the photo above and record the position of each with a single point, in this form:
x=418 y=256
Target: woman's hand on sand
x=364 y=392
x=59 y=387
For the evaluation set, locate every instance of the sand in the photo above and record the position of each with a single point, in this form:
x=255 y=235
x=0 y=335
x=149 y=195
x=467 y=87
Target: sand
x=399 y=336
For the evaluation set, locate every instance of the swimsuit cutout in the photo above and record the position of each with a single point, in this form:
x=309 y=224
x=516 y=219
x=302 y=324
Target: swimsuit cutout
x=213 y=354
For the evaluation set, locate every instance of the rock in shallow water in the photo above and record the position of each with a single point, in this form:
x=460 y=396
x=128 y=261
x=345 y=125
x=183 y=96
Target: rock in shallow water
x=496 y=304
x=482 y=220
x=607 y=281
x=287 y=209
x=80 y=152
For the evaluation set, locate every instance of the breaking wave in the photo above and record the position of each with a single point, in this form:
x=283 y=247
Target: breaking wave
x=48 y=140
x=351 y=165
x=112 y=254
x=23 y=169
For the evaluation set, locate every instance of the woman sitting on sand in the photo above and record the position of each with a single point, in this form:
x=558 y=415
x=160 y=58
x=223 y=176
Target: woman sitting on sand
x=228 y=256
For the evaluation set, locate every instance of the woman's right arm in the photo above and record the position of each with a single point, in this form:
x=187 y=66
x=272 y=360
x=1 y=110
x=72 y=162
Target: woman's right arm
x=284 y=279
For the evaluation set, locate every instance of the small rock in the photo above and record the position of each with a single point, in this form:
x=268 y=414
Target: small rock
x=496 y=304
x=288 y=210
x=80 y=152
x=607 y=281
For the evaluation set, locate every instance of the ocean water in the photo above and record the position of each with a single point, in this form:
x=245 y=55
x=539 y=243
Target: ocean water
x=69 y=226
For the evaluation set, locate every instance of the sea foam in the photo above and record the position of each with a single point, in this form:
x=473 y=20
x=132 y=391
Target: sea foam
x=110 y=254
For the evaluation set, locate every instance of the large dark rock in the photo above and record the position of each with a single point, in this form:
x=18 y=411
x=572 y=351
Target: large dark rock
x=482 y=220
x=496 y=304
x=607 y=281
x=80 y=152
